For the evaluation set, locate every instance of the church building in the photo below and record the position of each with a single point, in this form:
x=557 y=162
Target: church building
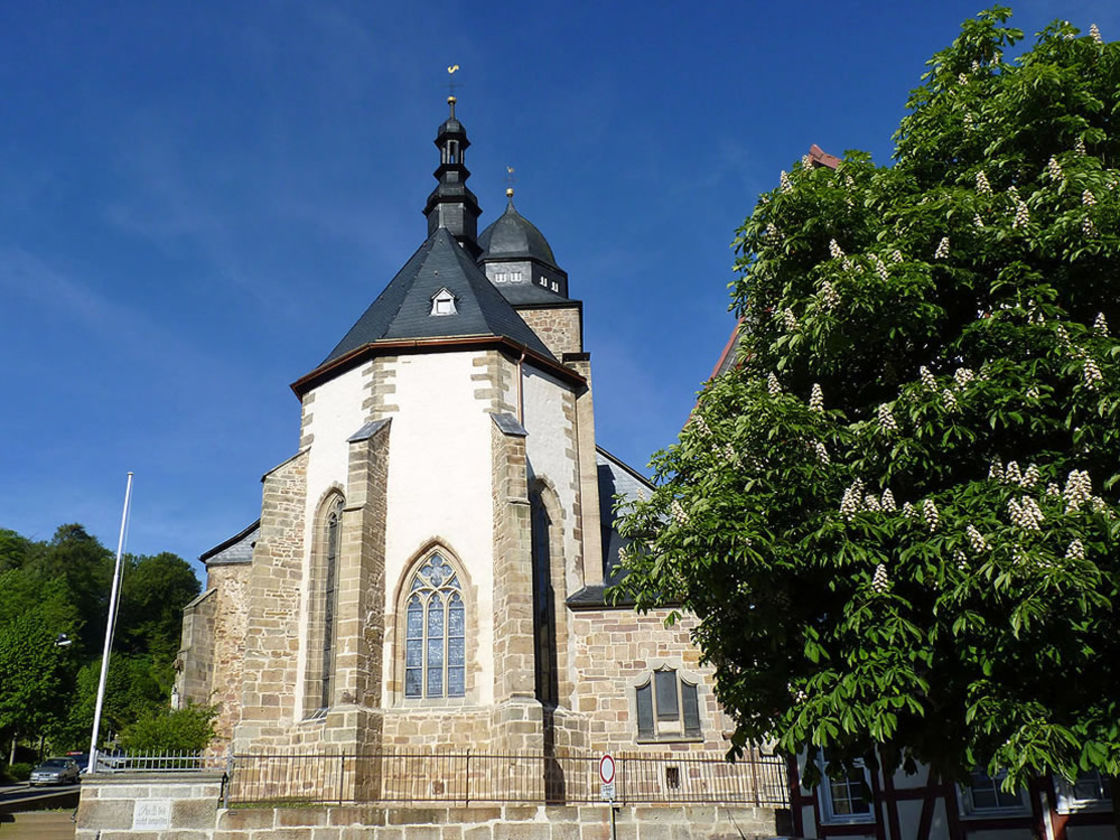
x=429 y=566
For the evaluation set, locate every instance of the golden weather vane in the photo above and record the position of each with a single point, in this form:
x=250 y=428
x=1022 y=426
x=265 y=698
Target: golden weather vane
x=510 y=181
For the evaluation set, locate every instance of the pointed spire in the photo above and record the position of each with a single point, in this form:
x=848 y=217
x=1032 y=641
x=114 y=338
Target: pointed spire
x=451 y=204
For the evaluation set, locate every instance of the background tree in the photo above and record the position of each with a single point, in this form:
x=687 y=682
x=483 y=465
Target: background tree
x=62 y=587
x=171 y=730
x=33 y=676
x=896 y=519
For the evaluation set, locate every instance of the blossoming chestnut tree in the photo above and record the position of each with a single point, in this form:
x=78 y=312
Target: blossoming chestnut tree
x=896 y=518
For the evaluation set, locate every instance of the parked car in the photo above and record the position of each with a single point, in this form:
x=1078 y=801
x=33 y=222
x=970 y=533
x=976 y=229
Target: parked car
x=55 y=771
x=81 y=759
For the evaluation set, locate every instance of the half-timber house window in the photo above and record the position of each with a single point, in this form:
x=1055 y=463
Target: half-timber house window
x=846 y=795
x=985 y=794
x=435 y=633
x=1090 y=792
x=668 y=707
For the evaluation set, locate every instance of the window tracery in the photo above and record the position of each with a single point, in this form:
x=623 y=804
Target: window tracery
x=435 y=632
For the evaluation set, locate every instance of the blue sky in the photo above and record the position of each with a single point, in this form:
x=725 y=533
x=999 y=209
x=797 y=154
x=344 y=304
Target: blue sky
x=197 y=201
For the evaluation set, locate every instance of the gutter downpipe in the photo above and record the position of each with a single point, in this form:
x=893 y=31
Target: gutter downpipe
x=520 y=391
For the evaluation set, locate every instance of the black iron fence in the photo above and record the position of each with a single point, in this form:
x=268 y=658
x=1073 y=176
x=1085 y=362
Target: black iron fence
x=467 y=777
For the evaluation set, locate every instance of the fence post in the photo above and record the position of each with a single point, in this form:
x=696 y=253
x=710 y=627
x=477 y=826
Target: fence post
x=622 y=779
x=467 y=798
x=755 y=758
x=229 y=777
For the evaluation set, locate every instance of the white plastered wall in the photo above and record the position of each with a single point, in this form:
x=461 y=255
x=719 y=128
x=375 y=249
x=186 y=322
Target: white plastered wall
x=336 y=414
x=551 y=450
x=440 y=485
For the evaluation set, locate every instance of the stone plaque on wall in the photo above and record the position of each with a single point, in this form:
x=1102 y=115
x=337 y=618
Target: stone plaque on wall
x=152 y=815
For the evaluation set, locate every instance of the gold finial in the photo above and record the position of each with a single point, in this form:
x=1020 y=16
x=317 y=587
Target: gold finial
x=452 y=69
x=509 y=192
x=510 y=180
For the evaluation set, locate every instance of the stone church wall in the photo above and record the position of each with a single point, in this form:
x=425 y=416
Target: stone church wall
x=195 y=663
x=269 y=677
x=231 y=602
x=615 y=651
x=557 y=326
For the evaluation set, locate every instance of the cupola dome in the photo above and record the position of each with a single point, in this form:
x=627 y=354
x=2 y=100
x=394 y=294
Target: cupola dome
x=519 y=260
x=512 y=235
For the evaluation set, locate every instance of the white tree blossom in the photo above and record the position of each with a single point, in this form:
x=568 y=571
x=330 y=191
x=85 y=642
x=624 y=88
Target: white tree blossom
x=976 y=539
x=887 y=423
x=852 y=501
x=1078 y=490
x=887 y=501
x=880 y=583
x=930 y=515
x=816 y=398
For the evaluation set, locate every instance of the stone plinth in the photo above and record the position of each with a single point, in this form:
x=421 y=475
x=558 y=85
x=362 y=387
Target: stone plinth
x=144 y=806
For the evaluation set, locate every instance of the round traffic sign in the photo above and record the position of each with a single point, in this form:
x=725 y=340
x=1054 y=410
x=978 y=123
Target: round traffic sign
x=606 y=769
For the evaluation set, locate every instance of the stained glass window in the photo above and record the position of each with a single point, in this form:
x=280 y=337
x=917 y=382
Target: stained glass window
x=435 y=633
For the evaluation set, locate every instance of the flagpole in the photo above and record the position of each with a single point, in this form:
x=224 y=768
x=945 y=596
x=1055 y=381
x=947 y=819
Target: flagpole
x=110 y=626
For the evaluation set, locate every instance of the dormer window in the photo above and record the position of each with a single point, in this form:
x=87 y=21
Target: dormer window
x=443 y=303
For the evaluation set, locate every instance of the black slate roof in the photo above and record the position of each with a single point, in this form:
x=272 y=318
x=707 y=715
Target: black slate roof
x=402 y=310
x=511 y=235
x=616 y=478
x=237 y=549
x=528 y=294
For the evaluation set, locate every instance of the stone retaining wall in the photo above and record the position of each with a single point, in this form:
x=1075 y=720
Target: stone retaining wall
x=186 y=806
x=146 y=806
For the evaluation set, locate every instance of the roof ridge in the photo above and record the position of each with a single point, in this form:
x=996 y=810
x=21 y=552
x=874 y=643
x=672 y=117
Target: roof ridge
x=399 y=313
x=393 y=287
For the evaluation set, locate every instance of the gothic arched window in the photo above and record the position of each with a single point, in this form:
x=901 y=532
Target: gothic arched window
x=326 y=555
x=435 y=632
x=330 y=598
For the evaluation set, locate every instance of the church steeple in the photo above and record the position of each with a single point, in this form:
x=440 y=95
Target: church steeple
x=452 y=205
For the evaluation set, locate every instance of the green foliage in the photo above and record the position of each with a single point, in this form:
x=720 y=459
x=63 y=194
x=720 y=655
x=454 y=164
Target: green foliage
x=153 y=593
x=919 y=561
x=20 y=771
x=33 y=673
x=171 y=730
x=62 y=587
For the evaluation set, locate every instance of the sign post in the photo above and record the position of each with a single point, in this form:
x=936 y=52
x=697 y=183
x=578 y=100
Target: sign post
x=606 y=786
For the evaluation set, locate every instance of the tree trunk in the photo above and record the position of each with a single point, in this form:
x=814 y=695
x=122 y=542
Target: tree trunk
x=12 y=758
